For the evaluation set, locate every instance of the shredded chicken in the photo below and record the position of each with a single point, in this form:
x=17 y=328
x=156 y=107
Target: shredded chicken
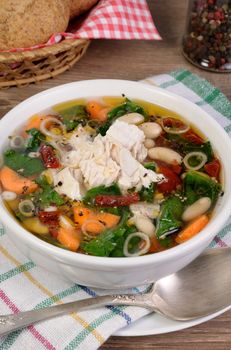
x=115 y=157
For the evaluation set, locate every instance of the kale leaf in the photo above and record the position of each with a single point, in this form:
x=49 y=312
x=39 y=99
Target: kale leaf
x=35 y=139
x=150 y=166
x=111 y=241
x=184 y=146
x=197 y=185
x=22 y=163
x=147 y=193
x=126 y=107
x=90 y=195
x=73 y=116
x=170 y=217
x=48 y=195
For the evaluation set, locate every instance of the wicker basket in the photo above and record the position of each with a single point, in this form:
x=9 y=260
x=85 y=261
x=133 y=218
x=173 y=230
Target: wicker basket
x=22 y=68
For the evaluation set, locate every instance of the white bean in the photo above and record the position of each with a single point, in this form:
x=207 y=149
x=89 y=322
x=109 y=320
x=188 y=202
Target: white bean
x=149 y=210
x=145 y=225
x=167 y=155
x=149 y=143
x=132 y=118
x=9 y=196
x=151 y=130
x=196 y=209
x=34 y=154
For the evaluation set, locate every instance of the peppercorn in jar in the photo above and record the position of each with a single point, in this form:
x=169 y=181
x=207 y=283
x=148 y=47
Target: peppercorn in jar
x=207 y=41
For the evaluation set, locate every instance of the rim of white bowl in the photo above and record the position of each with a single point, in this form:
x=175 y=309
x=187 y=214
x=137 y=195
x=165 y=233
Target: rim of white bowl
x=207 y=233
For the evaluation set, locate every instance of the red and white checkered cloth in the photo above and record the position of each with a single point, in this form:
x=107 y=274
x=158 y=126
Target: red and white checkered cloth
x=110 y=19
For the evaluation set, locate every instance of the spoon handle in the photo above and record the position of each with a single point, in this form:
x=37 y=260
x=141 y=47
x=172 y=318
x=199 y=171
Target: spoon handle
x=9 y=323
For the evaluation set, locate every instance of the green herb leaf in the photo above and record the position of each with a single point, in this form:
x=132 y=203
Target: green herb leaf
x=197 y=185
x=118 y=251
x=150 y=166
x=204 y=148
x=113 y=210
x=111 y=241
x=73 y=116
x=126 y=107
x=23 y=164
x=104 y=244
x=48 y=195
x=184 y=146
x=147 y=194
x=104 y=128
x=35 y=139
x=170 y=217
x=89 y=197
x=166 y=242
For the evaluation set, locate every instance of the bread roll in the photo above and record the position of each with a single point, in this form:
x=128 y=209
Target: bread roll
x=80 y=6
x=24 y=23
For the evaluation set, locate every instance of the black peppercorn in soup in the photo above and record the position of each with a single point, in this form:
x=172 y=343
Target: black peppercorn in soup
x=110 y=177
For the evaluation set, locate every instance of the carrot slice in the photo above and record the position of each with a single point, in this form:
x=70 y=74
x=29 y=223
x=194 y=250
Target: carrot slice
x=97 y=111
x=93 y=108
x=81 y=214
x=192 y=229
x=35 y=122
x=69 y=237
x=96 y=222
x=12 y=181
x=107 y=219
x=93 y=227
x=102 y=116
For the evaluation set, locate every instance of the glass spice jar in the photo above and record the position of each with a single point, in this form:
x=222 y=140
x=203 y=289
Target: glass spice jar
x=207 y=41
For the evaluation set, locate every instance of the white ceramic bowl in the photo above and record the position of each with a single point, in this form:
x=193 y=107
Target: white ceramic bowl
x=114 y=273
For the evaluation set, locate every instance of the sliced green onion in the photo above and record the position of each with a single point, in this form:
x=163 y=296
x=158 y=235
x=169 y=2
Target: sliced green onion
x=195 y=160
x=143 y=245
x=181 y=128
x=17 y=142
x=44 y=127
x=26 y=208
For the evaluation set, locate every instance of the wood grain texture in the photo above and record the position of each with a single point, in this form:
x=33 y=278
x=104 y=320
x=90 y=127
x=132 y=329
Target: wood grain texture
x=135 y=60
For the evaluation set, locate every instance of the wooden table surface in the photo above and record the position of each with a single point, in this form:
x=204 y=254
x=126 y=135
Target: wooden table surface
x=135 y=60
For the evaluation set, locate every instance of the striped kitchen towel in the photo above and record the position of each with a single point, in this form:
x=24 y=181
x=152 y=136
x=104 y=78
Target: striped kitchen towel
x=23 y=285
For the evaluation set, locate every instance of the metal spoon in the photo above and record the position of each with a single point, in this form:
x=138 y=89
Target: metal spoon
x=200 y=289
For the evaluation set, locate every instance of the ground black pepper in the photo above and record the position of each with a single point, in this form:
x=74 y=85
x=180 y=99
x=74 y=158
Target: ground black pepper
x=207 y=42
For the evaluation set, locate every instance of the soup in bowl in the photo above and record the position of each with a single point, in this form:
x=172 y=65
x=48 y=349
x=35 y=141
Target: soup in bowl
x=112 y=176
